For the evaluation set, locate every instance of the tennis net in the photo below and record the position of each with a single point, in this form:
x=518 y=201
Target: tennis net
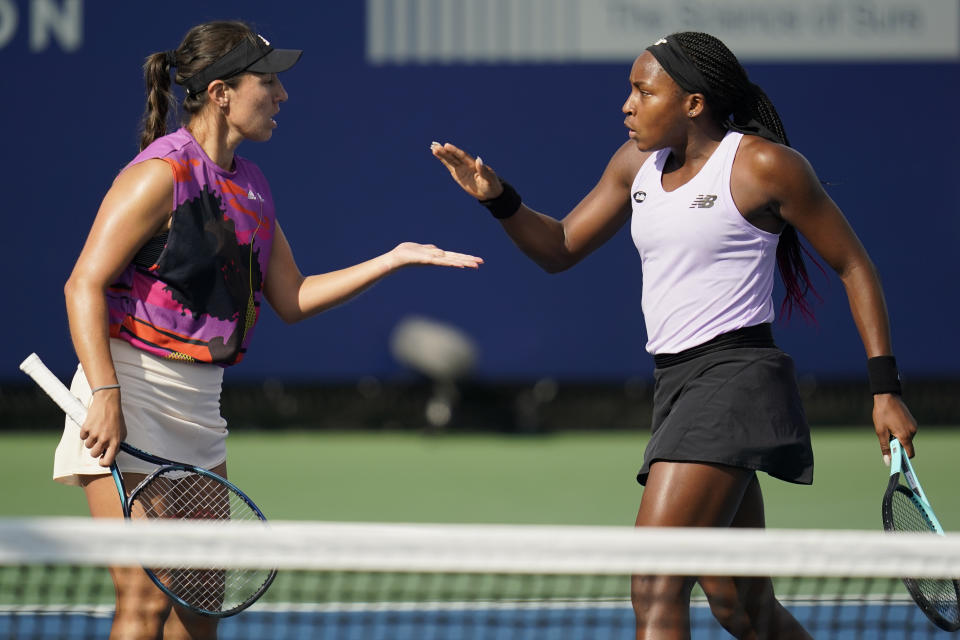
x=359 y=581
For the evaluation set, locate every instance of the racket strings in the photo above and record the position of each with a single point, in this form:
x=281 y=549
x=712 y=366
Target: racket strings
x=908 y=515
x=941 y=595
x=181 y=495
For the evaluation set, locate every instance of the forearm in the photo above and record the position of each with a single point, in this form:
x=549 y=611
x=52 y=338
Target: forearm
x=89 y=330
x=868 y=307
x=891 y=417
x=541 y=238
x=320 y=292
x=555 y=245
x=104 y=428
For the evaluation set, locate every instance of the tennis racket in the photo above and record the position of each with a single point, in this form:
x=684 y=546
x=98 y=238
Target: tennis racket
x=906 y=508
x=178 y=491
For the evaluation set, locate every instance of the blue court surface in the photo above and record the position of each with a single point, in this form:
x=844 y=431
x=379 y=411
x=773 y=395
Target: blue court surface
x=525 y=621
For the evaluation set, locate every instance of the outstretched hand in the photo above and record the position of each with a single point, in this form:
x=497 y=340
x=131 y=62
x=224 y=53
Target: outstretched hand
x=408 y=253
x=476 y=178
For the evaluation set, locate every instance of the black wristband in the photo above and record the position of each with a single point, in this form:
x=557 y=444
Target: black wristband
x=883 y=374
x=504 y=205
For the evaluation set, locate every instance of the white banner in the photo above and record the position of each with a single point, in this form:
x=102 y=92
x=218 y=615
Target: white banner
x=552 y=31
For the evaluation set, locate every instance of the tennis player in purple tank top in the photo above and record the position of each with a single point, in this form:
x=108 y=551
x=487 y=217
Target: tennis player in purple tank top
x=185 y=248
x=716 y=199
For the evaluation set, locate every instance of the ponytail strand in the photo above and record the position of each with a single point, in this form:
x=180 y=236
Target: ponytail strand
x=160 y=99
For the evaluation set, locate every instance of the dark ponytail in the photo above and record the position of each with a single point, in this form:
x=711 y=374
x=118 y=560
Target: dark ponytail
x=160 y=99
x=203 y=44
x=743 y=106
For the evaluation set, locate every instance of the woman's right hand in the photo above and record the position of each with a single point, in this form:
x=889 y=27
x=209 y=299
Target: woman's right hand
x=476 y=178
x=104 y=429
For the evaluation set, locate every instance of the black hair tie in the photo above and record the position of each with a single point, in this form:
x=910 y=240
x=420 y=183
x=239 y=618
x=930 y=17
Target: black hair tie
x=170 y=57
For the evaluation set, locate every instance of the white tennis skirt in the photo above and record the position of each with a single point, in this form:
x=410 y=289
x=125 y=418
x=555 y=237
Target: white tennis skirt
x=171 y=409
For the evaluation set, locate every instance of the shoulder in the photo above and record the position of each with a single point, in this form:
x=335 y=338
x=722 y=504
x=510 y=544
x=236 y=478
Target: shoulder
x=772 y=168
x=172 y=144
x=152 y=176
x=626 y=162
x=762 y=158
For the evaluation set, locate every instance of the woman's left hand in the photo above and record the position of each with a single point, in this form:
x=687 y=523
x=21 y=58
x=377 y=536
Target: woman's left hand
x=408 y=253
x=892 y=419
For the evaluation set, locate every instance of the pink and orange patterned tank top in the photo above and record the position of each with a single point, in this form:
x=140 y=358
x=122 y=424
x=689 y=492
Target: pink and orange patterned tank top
x=196 y=293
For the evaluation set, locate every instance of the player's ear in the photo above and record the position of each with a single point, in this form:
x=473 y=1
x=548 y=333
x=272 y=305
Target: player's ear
x=217 y=93
x=695 y=103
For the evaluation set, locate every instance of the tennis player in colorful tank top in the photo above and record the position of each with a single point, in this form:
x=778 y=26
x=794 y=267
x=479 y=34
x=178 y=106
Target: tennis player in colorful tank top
x=170 y=283
x=715 y=198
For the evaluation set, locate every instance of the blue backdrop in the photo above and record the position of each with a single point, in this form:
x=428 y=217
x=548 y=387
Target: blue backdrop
x=352 y=176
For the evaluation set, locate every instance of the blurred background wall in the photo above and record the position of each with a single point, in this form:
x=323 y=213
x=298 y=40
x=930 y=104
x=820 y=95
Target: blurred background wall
x=867 y=90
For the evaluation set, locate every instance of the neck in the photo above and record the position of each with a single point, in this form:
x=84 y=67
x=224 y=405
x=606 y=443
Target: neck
x=700 y=143
x=213 y=135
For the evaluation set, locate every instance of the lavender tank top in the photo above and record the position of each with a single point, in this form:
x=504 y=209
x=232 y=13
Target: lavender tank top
x=706 y=269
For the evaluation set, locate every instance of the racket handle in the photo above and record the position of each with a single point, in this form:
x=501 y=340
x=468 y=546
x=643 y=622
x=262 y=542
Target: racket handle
x=33 y=366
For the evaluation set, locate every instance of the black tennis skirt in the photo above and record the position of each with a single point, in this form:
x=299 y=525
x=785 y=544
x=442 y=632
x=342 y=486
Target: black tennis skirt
x=733 y=401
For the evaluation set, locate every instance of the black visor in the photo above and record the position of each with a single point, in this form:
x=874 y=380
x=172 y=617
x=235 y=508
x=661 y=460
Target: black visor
x=258 y=57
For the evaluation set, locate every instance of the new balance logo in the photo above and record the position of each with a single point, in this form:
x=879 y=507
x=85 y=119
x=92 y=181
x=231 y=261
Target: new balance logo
x=703 y=201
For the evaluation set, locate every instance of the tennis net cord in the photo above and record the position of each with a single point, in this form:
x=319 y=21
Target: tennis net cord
x=414 y=581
